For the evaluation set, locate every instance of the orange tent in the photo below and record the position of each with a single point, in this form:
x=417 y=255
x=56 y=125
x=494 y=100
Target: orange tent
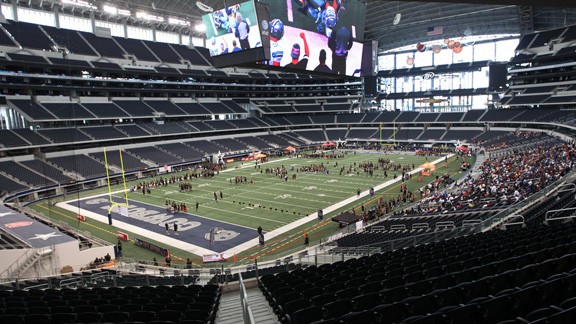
x=290 y=148
x=427 y=168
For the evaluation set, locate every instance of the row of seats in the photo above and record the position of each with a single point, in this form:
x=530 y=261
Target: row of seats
x=481 y=278
x=162 y=303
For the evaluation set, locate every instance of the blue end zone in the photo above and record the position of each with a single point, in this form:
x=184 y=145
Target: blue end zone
x=192 y=229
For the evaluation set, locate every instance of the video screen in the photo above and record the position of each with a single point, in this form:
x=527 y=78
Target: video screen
x=232 y=29
x=323 y=36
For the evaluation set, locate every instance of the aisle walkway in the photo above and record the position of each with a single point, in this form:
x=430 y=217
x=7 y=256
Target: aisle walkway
x=230 y=310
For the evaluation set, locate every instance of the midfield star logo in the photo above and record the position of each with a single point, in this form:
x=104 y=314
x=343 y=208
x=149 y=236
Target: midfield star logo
x=44 y=236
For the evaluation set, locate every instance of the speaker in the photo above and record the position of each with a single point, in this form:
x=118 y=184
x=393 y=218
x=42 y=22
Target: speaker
x=370 y=86
x=498 y=77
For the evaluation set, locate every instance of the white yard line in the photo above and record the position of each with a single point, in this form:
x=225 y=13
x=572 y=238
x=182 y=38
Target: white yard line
x=279 y=231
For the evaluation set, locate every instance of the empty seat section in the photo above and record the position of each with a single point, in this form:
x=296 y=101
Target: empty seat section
x=135 y=108
x=364 y=133
x=231 y=144
x=216 y=108
x=323 y=119
x=154 y=154
x=349 y=118
x=167 y=128
x=312 y=136
x=8 y=185
x=64 y=135
x=105 y=110
x=137 y=48
x=29 y=35
x=5 y=40
x=80 y=164
x=234 y=107
x=164 y=52
x=133 y=130
x=200 y=126
x=103 y=132
x=69 y=39
x=220 y=124
x=9 y=139
x=32 y=109
x=24 y=174
x=68 y=110
x=192 y=108
x=190 y=54
x=450 y=117
x=473 y=115
x=113 y=157
x=275 y=139
x=185 y=152
x=31 y=136
x=294 y=120
x=426 y=117
x=336 y=134
x=243 y=123
x=406 y=117
x=205 y=147
x=106 y=47
x=47 y=170
x=255 y=142
x=165 y=107
x=432 y=134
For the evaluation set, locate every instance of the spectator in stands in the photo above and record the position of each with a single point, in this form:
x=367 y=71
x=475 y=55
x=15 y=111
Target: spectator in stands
x=322 y=67
x=242 y=31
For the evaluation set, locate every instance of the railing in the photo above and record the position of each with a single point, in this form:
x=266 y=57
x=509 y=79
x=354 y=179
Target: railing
x=10 y=271
x=247 y=314
x=551 y=215
x=490 y=221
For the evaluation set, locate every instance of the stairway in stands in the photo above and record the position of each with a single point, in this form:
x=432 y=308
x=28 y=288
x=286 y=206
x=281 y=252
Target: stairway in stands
x=230 y=309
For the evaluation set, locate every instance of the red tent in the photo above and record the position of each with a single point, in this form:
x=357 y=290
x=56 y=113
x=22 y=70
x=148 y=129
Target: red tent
x=462 y=148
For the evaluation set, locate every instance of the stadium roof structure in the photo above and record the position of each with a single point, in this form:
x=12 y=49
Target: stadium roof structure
x=456 y=17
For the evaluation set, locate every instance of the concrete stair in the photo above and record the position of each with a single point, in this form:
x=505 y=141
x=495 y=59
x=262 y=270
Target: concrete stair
x=230 y=309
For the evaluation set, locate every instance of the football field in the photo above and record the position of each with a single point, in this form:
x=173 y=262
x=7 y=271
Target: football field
x=248 y=195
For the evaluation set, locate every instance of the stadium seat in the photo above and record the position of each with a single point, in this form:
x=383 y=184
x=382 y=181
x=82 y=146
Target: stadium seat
x=116 y=317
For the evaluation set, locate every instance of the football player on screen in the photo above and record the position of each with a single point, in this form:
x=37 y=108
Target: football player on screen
x=324 y=14
x=276 y=34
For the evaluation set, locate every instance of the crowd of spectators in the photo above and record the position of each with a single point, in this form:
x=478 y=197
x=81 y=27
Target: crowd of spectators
x=502 y=181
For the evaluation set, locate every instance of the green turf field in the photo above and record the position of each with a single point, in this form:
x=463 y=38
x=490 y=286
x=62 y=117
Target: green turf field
x=270 y=202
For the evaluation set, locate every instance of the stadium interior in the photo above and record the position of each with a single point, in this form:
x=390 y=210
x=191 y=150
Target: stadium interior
x=456 y=118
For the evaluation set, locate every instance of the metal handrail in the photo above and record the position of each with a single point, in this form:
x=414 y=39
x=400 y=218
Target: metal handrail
x=555 y=211
x=247 y=313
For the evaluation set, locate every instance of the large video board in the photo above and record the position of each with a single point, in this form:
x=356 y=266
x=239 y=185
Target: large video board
x=319 y=35
x=233 y=34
